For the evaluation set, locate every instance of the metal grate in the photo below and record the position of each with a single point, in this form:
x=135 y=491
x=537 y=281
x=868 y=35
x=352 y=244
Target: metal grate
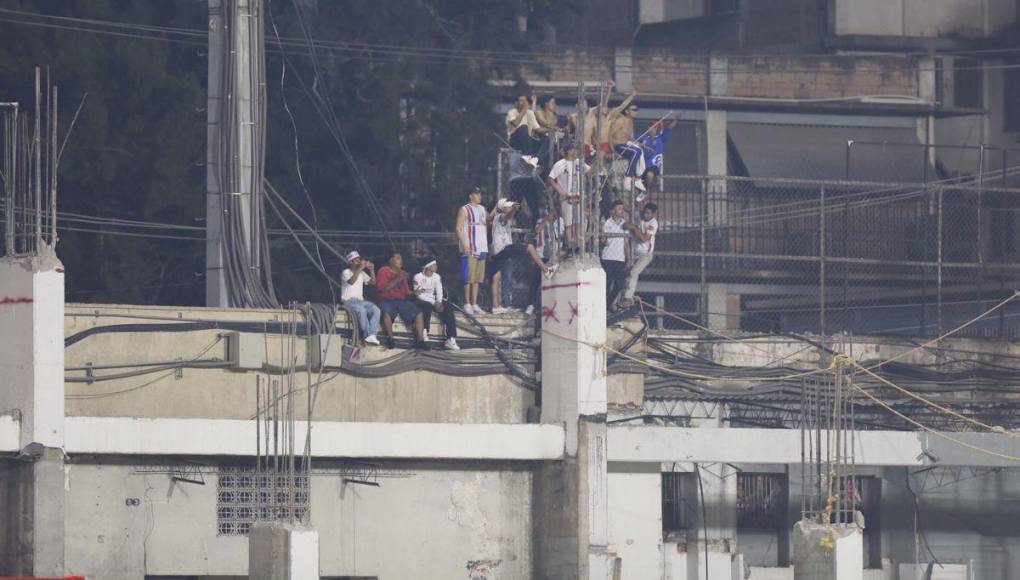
x=679 y=497
x=243 y=498
x=761 y=500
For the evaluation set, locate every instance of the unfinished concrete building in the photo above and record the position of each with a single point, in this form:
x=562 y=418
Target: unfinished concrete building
x=820 y=381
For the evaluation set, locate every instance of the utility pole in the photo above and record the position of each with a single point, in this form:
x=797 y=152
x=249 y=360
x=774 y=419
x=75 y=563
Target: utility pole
x=234 y=158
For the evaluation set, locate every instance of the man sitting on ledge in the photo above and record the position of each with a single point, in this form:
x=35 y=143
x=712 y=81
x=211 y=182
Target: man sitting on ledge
x=395 y=298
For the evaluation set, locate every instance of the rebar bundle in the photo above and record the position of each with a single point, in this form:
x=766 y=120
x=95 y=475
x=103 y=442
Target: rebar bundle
x=29 y=178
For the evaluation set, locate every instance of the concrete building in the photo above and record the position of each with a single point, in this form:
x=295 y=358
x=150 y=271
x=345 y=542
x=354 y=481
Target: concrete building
x=144 y=469
x=135 y=440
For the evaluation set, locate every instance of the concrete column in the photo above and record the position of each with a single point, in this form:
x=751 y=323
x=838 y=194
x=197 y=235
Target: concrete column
x=833 y=552
x=623 y=69
x=718 y=164
x=716 y=525
x=723 y=308
x=280 y=551
x=32 y=366
x=570 y=499
x=573 y=372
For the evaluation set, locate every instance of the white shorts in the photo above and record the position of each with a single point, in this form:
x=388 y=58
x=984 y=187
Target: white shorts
x=570 y=212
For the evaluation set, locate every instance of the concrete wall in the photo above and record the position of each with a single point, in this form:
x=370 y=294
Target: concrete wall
x=924 y=18
x=675 y=73
x=418 y=396
x=441 y=522
x=635 y=520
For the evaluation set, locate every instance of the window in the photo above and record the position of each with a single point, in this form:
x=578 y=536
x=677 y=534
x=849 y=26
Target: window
x=721 y=7
x=761 y=500
x=968 y=85
x=679 y=498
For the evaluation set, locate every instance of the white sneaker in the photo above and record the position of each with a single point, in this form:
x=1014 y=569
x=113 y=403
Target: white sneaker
x=551 y=270
x=530 y=309
x=371 y=339
x=469 y=309
x=451 y=344
x=640 y=197
x=530 y=160
x=639 y=185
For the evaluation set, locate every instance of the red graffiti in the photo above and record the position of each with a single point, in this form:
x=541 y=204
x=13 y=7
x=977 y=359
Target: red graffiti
x=573 y=312
x=8 y=300
x=570 y=285
x=549 y=313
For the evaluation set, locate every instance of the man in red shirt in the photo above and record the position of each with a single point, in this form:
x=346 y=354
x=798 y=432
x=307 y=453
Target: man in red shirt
x=395 y=298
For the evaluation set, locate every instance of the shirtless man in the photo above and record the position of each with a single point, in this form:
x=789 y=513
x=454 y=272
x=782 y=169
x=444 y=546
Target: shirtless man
x=621 y=136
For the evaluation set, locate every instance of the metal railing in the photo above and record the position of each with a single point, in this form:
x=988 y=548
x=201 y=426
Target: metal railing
x=835 y=256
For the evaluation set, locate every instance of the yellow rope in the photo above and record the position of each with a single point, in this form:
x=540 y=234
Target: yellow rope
x=929 y=402
x=928 y=429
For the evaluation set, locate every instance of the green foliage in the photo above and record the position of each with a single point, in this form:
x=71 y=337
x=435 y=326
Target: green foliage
x=421 y=129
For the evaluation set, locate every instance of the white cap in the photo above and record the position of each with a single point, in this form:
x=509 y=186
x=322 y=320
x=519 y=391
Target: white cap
x=504 y=203
x=427 y=264
x=352 y=255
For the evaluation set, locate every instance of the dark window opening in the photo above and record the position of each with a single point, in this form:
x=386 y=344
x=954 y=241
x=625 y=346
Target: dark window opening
x=761 y=501
x=722 y=7
x=968 y=85
x=679 y=499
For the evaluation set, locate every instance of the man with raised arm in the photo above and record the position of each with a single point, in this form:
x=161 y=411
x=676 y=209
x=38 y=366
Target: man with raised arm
x=352 y=291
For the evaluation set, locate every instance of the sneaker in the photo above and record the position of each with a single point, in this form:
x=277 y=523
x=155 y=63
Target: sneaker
x=451 y=344
x=371 y=339
x=530 y=160
x=468 y=309
x=529 y=310
x=639 y=185
x=640 y=197
x=551 y=270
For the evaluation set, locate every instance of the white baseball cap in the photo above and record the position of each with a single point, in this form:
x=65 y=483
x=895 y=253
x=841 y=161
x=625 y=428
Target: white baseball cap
x=504 y=203
x=352 y=256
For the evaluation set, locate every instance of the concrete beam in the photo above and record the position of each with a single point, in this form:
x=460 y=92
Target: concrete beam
x=131 y=436
x=782 y=446
x=10 y=433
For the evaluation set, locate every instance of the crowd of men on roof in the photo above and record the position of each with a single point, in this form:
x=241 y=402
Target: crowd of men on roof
x=536 y=134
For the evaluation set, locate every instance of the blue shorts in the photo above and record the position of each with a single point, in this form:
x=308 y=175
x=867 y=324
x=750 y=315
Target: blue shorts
x=405 y=308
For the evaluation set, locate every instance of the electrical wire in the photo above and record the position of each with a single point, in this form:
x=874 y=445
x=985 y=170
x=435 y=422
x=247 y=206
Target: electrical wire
x=426 y=55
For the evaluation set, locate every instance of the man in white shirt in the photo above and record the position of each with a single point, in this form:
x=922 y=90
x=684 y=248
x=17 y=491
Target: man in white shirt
x=565 y=178
x=614 y=253
x=352 y=292
x=505 y=251
x=429 y=296
x=523 y=131
x=644 y=232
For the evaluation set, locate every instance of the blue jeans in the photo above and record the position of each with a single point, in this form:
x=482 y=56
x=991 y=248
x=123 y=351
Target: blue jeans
x=368 y=315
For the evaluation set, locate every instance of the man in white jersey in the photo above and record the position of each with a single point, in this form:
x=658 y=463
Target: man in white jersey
x=429 y=296
x=472 y=236
x=614 y=253
x=644 y=233
x=565 y=179
x=352 y=292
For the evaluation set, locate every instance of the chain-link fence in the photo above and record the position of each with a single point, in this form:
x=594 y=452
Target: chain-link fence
x=785 y=255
